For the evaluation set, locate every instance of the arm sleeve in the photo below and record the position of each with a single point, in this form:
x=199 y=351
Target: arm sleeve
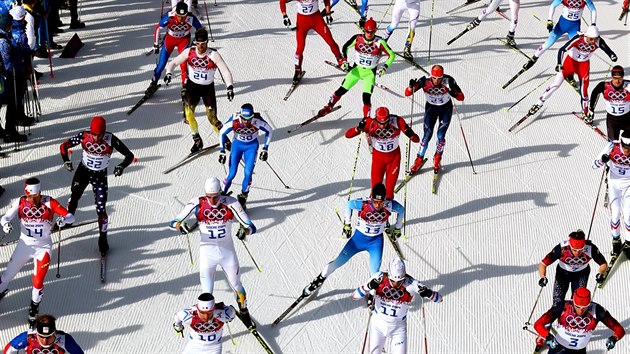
x=597 y=163
x=354 y=204
x=180 y=59
x=227 y=314
x=187 y=212
x=390 y=53
x=348 y=44
x=71 y=345
x=591 y=7
x=552 y=256
x=17 y=343
x=352 y=132
x=241 y=216
x=223 y=69
x=552 y=8
x=66 y=145
x=598 y=257
x=400 y=213
x=605 y=47
x=196 y=24
x=598 y=90
x=566 y=47
x=11 y=213
x=455 y=90
x=158 y=29
x=30 y=32
x=183 y=317
x=541 y=324
x=266 y=128
x=225 y=130
x=283 y=6
x=59 y=210
x=122 y=148
x=364 y=289
x=610 y=322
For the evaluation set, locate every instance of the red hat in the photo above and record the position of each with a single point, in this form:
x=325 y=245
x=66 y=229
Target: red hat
x=382 y=115
x=582 y=297
x=370 y=26
x=98 y=125
x=437 y=71
x=577 y=240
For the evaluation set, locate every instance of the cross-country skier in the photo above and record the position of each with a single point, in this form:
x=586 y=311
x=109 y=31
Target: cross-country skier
x=575 y=322
x=413 y=8
x=206 y=320
x=202 y=63
x=569 y=23
x=368 y=235
x=245 y=125
x=179 y=24
x=98 y=146
x=368 y=49
x=36 y=213
x=494 y=5
x=383 y=132
x=616 y=154
x=44 y=338
x=310 y=18
x=573 y=256
x=438 y=90
x=616 y=94
x=389 y=296
x=214 y=214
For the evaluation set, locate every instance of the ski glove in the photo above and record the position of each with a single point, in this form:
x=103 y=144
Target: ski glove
x=184 y=228
x=230 y=93
x=599 y=278
x=559 y=68
x=605 y=158
x=61 y=222
x=347 y=230
x=329 y=19
x=383 y=69
x=179 y=329
x=370 y=301
x=551 y=341
x=167 y=78
x=549 y=25
x=397 y=233
x=118 y=171
x=361 y=125
x=610 y=342
x=241 y=233
x=263 y=155
x=156 y=49
x=68 y=166
x=613 y=57
x=345 y=66
x=7 y=228
x=222 y=158
x=287 y=21
x=543 y=282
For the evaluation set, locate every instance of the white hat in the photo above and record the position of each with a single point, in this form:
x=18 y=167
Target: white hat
x=18 y=13
x=205 y=302
x=592 y=32
x=213 y=186
x=397 y=271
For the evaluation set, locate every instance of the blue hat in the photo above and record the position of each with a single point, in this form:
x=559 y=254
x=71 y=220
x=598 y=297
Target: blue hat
x=247 y=111
x=5 y=20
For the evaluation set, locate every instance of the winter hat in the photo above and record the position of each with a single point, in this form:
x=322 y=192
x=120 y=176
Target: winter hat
x=617 y=70
x=247 y=111
x=378 y=192
x=582 y=297
x=5 y=20
x=98 y=125
x=32 y=186
x=205 y=302
x=397 y=271
x=181 y=9
x=18 y=13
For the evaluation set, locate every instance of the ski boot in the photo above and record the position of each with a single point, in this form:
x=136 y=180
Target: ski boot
x=473 y=24
x=388 y=228
x=437 y=158
x=407 y=53
x=616 y=247
x=571 y=81
x=297 y=74
x=352 y=3
x=315 y=284
x=417 y=164
x=324 y=111
x=534 y=109
x=362 y=22
x=243 y=315
x=587 y=117
x=151 y=89
x=626 y=249
x=4 y=293
x=197 y=145
x=242 y=198
x=530 y=63
x=509 y=39
x=103 y=245
x=32 y=314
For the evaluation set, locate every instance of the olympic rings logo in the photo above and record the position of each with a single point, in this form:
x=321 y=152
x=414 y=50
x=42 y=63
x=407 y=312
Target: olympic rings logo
x=200 y=62
x=585 y=47
x=436 y=91
x=34 y=212
x=574 y=3
x=621 y=159
x=206 y=326
x=44 y=351
x=617 y=95
x=576 y=261
x=180 y=27
x=384 y=133
x=393 y=293
x=214 y=214
x=95 y=148
x=365 y=48
x=375 y=216
x=247 y=130
x=578 y=321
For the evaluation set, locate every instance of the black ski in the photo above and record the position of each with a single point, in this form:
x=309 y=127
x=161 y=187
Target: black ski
x=304 y=295
x=502 y=40
x=514 y=77
x=470 y=2
x=353 y=6
x=190 y=157
x=254 y=331
x=590 y=125
x=142 y=100
x=613 y=260
x=311 y=120
x=434 y=184
x=459 y=35
x=623 y=13
x=103 y=267
x=412 y=62
x=408 y=177
x=520 y=121
x=294 y=85
x=394 y=243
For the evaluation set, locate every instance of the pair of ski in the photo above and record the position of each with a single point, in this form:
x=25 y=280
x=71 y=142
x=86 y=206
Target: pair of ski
x=255 y=333
x=336 y=66
x=142 y=100
x=469 y=28
x=190 y=157
x=409 y=176
x=614 y=259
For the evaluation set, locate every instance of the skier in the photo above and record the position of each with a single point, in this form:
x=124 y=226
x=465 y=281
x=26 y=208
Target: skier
x=98 y=146
x=368 y=235
x=389 y=296
x=202 y=62
x=438 y=90
x=617 y=155
x=206 y=320
x=580 y=49
x=309 y=17
x=576 y=321
x=368 y=47
x=624 y=9
x=413 y=8
x=36 y=212
x=214 y=214
x=188 y=3
x=179 y=24
x=616 y=93
x=245 y=125
x=383 y=132
x=45 y=338
x=494 y=5
x=573 y=268
x=569 y=23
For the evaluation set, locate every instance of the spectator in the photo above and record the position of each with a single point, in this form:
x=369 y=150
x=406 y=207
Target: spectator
x=8 y=97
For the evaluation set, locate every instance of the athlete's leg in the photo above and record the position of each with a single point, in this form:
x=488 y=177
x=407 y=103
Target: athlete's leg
x=208 y=261
x=22 y=254
x=250 y=154
x=236 y=154
x=79 y=183
x=41 y=263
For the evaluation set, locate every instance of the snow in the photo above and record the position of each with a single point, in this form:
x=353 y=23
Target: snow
x=477 y=241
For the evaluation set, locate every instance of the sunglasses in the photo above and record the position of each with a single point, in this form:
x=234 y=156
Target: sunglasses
x=213 y=197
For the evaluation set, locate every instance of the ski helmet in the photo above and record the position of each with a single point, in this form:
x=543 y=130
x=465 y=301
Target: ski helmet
x=18 y=13
x=370 y=26
x=437 y=71
x=582 y=297
x=201 y=35
x=378 y=191
x=213 y=186
x=592 y=32
x=205 y=302
x=98 y=125
x=382 y=115
x=577 y=240
x=46 y=326
x=617 y=70
x=397 y=270
x=247 y=111
x=181 y=9
x=32 y=186
x=624 y=138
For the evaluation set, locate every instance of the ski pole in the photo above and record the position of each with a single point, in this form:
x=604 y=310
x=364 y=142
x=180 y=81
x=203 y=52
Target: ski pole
x=527 y=94
x=459 y=119
x=407 y=153
x=50 y=63
x=385 y=14
x=599 y=188
x=527 y=324
x=424 y=325
x=354 y=169
x=58 y=250
x=208 y=19
x=430 y=31
x=230 y=333
x=274 y=172
x=367 y=331
x=250 y=256
x=192 y=263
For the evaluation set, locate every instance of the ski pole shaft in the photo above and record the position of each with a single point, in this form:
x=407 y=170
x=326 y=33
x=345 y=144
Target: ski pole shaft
x=192 y=263
x=430 y=31
x=354 y=168
x=58 y=251
x=250 y=256
x=533 y=308
x=424 y=325
x=407 y=153
x=385 y=13
x=367 y=331
x=459 y=119
x=230 y=333
x=599 y=188
x=275 y=173
x=527 y=94
x=50 y=63
x=208 y=20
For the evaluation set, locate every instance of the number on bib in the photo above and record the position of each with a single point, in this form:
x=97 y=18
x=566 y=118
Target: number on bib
x=198 y=75
x=34 y=232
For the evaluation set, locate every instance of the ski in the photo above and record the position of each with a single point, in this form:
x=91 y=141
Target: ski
x=394 y=243
x=311 y=120
x=434 y=184
x=353 y=5
x=254 y=331
x=590 y=125
x=412 y=62
x=537 y=349
x=458 y=36
x=103 y=267
x=190 y=157
x=304 y=295
x=339 y=68
x=408 y=177
x=623 y=13
x=67 y=227
x=142 y=100
x=294 y=85
x=502 y=40
x=520 y=121
x=470 y=2
x=614 y=259
x=514 y=77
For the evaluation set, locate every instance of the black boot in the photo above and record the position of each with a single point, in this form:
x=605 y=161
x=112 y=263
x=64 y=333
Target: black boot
x=32 y=314
x=153 y=86
x=103 y=246
x=4 y=293
x=242 y=198
x=616 y=243
x=197 y=145
x=315 y=284
x=244 y=316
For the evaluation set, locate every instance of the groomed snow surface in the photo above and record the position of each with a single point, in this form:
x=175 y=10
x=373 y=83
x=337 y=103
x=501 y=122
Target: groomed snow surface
x=477 y=241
